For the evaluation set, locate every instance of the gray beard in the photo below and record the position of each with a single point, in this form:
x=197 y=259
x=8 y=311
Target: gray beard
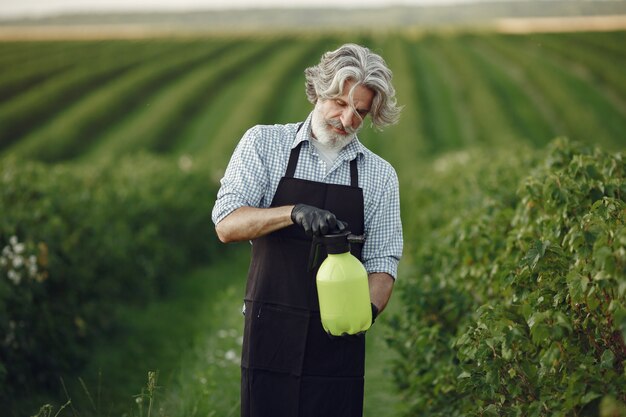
x=326 y=137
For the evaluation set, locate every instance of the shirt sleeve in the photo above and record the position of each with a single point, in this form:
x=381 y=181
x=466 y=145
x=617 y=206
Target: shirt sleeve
x=383 y=234
x=245 y=180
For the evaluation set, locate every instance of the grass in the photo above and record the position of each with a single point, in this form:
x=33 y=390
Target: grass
x=381 y=398
x=185 y=338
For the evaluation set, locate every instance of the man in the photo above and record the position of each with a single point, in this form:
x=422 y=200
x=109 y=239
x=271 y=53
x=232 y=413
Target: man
x=285 y=184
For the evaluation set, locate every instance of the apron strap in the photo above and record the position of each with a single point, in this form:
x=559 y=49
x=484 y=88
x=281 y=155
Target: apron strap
x=293 y=161
x=295 y=155
x=354 y=173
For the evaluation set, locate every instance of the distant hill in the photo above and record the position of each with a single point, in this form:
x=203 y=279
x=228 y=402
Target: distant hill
x=476 y=14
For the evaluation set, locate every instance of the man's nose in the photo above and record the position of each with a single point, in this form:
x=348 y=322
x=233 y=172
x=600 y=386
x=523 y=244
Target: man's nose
x=347 y=117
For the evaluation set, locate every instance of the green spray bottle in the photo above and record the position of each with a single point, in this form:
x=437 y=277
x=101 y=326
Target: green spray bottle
x=342 y=286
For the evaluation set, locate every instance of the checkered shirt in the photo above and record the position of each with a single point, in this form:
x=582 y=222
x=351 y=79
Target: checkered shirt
x=260 y=161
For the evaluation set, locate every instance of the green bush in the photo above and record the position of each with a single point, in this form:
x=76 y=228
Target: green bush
x=78 y=241
x=515 y=306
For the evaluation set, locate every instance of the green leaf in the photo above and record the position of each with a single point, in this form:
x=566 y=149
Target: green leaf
x=577 y=285
x=588 y=397
x=563 y=321
x=603 y=259
x=602 y=276
x=607 y=359
x=490 y=410
x=592 y=172
x=619 y=316
x=512 y=373
x=540 y=333
x=507 y=353
x=535 y=253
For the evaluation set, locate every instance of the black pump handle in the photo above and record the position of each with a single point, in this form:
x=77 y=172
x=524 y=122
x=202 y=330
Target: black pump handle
x=313 y=255
x=319 y=240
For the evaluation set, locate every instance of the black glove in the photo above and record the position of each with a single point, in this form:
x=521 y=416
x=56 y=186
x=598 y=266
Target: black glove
x=374 y=312
x=316 y=221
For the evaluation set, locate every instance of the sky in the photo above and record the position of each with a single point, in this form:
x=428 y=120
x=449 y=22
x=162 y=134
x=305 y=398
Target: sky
x=34 y=8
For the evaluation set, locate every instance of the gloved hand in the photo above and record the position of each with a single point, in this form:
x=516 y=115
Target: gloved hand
x=356 y=336
x=316 y=221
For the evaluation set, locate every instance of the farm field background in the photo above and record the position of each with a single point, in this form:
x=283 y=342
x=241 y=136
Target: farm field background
x=111 y=153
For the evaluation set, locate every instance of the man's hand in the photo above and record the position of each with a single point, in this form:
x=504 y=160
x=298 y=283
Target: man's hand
x=381 y=286
x=316 y=221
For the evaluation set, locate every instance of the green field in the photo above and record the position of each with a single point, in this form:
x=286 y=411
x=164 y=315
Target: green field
x=80 y=101
x=140 y=125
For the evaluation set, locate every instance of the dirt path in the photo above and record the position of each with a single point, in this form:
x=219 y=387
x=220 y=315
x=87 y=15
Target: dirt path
x=560 y=24
x=139 y=31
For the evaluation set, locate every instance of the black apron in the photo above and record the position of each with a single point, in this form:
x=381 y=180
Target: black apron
x=290 y=366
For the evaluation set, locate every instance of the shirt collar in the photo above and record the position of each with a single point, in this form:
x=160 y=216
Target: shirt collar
x=349 y=152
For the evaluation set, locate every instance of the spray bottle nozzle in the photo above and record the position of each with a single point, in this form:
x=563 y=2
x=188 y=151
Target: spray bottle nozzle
x=356 y=238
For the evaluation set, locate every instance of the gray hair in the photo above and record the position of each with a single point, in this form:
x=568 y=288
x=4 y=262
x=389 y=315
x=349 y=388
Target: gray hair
x=357 y=63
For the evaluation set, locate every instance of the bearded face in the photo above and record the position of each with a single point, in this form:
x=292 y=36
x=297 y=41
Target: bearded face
x=335 y=121
x=331 y=132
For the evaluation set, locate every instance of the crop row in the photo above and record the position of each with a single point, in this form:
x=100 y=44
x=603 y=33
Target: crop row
x=72 y=133
x=513 y=286
x=492 y=89
x=32 y=65
x=33 y=107
x=109 y=98
x=77 y=242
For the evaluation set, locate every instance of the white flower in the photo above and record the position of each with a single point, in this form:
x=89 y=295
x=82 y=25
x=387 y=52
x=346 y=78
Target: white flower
x=14 y=276
x=19 y=248
x=32 y=271
x=13 y=240
x=231 y=356
x=18 y=261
